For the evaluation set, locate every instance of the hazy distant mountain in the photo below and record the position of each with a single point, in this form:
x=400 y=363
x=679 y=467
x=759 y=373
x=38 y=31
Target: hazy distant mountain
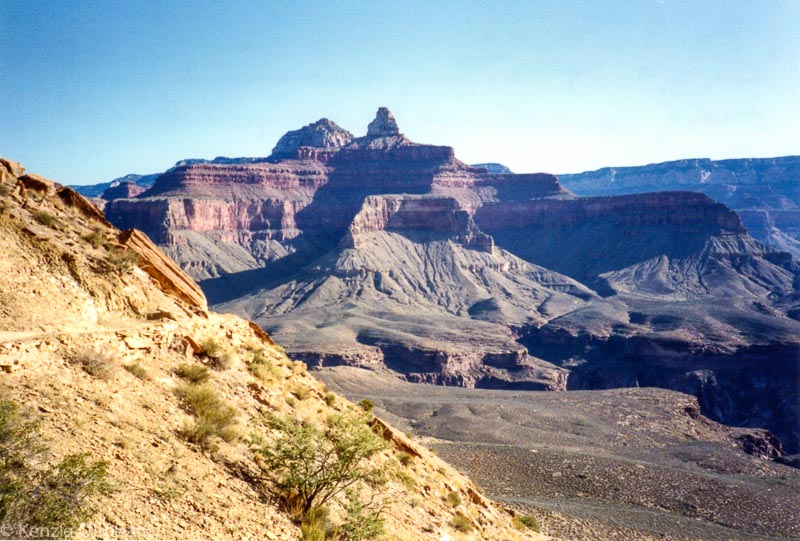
x=765 y=192
x=494 y=168
x=96 y=190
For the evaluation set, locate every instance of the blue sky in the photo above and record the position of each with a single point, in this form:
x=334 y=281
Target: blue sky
x=90 y=91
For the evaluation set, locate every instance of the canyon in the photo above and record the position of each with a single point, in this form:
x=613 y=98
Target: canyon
x=379 y=252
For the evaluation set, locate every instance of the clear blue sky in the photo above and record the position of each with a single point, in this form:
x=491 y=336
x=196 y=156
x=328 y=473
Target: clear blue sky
x=92 y=90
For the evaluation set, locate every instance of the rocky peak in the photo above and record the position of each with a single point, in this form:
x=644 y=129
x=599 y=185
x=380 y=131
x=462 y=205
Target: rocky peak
x=323 y=133
x=382 y=134
x=384 y=124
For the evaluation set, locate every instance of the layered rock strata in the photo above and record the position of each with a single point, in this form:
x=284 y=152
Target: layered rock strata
x=382 y=252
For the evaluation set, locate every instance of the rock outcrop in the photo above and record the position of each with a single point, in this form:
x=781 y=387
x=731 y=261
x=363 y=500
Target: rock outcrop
x=421 y=216
x=166 y=273
x=323 y=133
x=384 y=124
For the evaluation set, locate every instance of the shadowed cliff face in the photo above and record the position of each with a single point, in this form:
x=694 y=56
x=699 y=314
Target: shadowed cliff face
x=765 y=191
x=380 y=252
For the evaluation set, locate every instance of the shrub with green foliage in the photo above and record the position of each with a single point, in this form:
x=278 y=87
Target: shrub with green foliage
x=405 y=458
x=526 y=522
x=304 y=465
x=367 y=405
x=453 y=499
x=42 y=503
x=301 y=392
x=211 y=347
x=95 y=239
x=193 y=373
x=361 y=523
x=45 y=218
x=461 y=522
x=137 y=370
x=122 y=259
x=262 y=368
x=316 y=525
x=213 y=416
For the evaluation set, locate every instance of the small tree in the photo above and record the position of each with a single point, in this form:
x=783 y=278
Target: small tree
x=305 y=465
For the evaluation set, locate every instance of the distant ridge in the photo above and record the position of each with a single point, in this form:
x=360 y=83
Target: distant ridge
x=764 y=191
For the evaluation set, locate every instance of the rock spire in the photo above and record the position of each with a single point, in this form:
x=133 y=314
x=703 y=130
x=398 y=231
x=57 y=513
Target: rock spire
x=384 y=124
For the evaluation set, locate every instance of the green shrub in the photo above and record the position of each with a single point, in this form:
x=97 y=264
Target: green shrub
x=453 y=499
x=45 y=218
x=361 y=523
x=213 y=416
x=137 y=370
x=193 y=373
x=95 y=239
x=406 y=479
x=262 y=368
x=367 y=405
x=315 y=525
x=405 y=458
x=306 y=465
x=42 y=502
x=301 y=392
x=95 y=363
x=526 y=522
x=461 y=523
x=122 y=259
x=211 y=348
x=330 y=399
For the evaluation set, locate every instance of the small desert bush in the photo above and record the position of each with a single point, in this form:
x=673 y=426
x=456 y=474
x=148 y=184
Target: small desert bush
x=193 y=373
x=301 y=392
x=122 y=259
x=38 y=502
x=330 y=399
x=95 y=363
x=367 y=405
x=213 y=417
x=216 y=358
x=262 y=368
x=526 y=522
x=211 y=347
x=461 y=523
x=137 y=370
x=316 y=525
x=362 y=522
x=453 y=499
x=406 y=479
x=405 y=458
x=95 y=239
x=45 y=218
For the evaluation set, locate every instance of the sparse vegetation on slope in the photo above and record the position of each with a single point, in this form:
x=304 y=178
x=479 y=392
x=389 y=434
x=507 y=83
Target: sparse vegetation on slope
x=36 y=502
x=213 y=417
